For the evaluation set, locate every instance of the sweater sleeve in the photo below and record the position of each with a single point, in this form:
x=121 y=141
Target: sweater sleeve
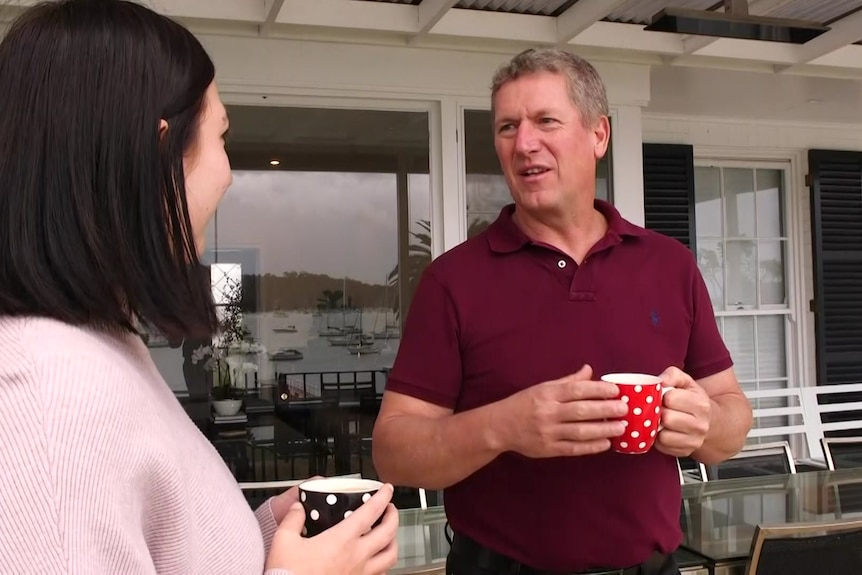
x=68 y=454
x=267 y=523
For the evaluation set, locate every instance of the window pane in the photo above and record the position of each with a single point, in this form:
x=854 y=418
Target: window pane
x=739 y=202
x=771 y=353
x=486 y=189
x=710 y=260
x=477 y=222
x=487 y=193
x=770 y=209
x=707 y=197
x=741 y=274
x=327 y=227
x=739 y=338
x=772 y=273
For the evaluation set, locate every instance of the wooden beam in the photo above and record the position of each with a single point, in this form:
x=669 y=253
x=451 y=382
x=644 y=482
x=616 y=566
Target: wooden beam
x=373 y=16
x=694 y=44
x=843 y=33
x=582 y=15
x=236 y=10
x=272 y=7
x=429 y=13
x=529 y=28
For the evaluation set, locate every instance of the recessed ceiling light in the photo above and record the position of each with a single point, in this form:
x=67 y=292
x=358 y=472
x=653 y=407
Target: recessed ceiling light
x=274 y=162
x=815 y=101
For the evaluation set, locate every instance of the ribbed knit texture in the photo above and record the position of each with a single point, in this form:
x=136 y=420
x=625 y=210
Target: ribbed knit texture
x=101 y=470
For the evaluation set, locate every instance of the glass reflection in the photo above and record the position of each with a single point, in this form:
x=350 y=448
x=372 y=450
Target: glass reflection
x=325 y=231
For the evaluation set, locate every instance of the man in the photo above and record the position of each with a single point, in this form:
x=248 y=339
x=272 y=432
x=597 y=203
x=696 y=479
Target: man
x=494 y=395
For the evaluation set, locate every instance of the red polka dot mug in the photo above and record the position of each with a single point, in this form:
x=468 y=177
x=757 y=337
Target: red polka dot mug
x=643 y=394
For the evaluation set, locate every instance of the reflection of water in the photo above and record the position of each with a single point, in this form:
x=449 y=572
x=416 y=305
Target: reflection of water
x=318 y=354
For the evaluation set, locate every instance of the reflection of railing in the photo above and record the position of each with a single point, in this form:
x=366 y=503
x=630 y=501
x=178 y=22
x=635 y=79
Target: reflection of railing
x=310 y=385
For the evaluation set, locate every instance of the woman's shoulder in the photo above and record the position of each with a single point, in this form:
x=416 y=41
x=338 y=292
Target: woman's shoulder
x=53 y=361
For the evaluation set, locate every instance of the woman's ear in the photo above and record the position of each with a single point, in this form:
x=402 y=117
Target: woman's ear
x=163 y=127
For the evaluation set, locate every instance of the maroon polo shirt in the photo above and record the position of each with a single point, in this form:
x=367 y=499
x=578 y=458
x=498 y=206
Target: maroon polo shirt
x=500 y=313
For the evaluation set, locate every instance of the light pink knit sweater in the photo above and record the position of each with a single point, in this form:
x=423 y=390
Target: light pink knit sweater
x=101 y=470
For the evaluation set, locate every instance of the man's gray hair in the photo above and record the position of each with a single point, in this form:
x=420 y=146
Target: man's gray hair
x=586 y=89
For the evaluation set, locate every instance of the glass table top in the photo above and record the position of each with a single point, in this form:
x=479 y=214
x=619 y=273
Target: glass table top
x=719 y=517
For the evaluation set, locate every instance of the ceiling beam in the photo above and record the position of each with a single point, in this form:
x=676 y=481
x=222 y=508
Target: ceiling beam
x=430 y=12
x=582 y=15
x=489 y=25
x=236 y=10
x=442 y=24
x=373 y=16
x=694 y=44
x=843 y=33
x=272 y=7
x=629 y=37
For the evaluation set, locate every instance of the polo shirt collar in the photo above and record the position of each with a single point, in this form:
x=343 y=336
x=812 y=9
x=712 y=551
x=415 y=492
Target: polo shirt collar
x=504 y=236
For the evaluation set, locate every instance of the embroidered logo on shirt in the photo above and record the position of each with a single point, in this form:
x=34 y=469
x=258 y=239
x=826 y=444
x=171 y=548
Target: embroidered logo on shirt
x=654 y=318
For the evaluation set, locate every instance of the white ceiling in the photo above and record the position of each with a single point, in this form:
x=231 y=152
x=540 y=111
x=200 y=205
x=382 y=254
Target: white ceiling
x=594 y=27
x=751 y=95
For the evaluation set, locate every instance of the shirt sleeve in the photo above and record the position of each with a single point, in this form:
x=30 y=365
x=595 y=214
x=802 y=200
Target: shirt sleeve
x=428 y=364
x=707 y=353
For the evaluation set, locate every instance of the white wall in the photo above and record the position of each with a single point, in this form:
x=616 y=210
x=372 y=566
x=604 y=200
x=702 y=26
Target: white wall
x=722 y=138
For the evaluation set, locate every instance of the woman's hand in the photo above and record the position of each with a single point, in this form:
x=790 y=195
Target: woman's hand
x=351 y=547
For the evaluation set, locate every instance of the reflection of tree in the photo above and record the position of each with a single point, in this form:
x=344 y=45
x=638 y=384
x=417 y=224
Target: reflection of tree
x=711 y=268
x=331 y=299
x=743 y=276
x=418 y=258
x=477 y=226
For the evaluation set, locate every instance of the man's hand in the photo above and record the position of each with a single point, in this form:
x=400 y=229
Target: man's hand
x=563 y=417
x=685 y=414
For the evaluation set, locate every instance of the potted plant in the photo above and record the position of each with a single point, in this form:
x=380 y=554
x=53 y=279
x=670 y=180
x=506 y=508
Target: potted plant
x=228 y=356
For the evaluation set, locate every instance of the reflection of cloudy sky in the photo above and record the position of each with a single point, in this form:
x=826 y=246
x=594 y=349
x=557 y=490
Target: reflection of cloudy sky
x=487 y=193
x=320 y=222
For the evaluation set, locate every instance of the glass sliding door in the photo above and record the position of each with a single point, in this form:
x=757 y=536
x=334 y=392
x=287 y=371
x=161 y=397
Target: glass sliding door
x=324 y=234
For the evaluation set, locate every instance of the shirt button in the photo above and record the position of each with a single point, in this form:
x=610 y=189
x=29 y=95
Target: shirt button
x=561 y=264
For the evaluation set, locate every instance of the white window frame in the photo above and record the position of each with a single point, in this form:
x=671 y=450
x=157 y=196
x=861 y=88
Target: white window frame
x=791 y=311
x=797 y=322
x=354 y=100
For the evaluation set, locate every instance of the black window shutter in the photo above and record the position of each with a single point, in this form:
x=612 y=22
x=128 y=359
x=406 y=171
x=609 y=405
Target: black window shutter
x=835 y=178
x=669 y=191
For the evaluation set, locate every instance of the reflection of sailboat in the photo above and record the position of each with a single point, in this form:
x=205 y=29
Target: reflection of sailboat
x=390 y=329
x=285 y=329
x=388 y=333
x=363 y=349
x=352 y=339
x=286 y=354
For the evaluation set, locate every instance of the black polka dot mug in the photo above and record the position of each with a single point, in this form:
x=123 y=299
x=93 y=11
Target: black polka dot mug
x=643 y=393
x=330 y=500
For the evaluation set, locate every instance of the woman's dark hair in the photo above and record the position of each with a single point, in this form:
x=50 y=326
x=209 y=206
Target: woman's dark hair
x=94 y=224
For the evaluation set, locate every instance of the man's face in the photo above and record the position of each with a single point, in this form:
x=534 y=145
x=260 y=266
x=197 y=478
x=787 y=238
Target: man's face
x=547 y=154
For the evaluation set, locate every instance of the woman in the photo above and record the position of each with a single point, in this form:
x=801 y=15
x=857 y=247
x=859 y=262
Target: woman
x=112 y=165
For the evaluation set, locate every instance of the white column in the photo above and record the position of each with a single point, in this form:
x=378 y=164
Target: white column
x=450 y=199
x=627 y=163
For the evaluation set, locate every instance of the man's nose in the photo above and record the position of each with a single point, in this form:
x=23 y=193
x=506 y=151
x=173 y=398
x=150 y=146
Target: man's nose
x=526 y=140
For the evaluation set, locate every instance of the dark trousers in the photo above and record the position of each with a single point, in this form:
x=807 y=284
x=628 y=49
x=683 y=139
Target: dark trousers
x=460 y=565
